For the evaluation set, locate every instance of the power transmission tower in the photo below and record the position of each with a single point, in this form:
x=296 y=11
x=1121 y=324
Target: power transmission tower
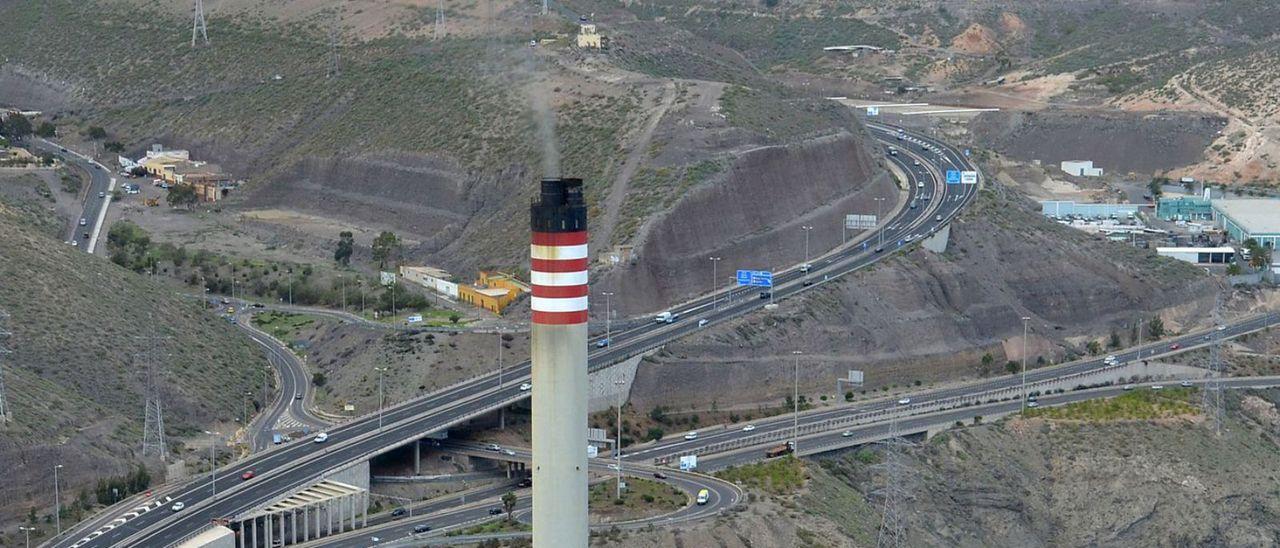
x=5 y=409
x=1211 y=396
x=153 y=441
x=439 y=30
x=198 y=27
x=894 y=494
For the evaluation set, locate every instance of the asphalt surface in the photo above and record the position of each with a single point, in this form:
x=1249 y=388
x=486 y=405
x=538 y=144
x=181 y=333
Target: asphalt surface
x=100 y=183
x=295 y=395
x=447 y=515
x=283 y=469
x=784 y=423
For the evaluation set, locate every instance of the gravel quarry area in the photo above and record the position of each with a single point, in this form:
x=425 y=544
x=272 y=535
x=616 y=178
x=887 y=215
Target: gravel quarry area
x=1116 y=142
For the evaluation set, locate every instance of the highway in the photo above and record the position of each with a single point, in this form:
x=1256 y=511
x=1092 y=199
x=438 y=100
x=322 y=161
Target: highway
x=283 y=469
x=442 y=516
x=97 y=196
x=293 y=381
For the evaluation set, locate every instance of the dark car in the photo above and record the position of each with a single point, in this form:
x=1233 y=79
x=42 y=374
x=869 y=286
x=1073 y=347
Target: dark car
x=659 y=475
x=808 y=282
x=258 y=305
x=525 y=482
x=495 y=511
x=421 y=528
x=765 y=294
x=398 y=512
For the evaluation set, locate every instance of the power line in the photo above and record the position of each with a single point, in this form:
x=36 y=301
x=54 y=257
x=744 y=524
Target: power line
x=198 y=26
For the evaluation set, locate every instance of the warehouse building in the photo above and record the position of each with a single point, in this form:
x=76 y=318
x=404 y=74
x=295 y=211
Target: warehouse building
x=1081 y=168
x=1199 y=255
x=1184 y=208
x=1245 y=219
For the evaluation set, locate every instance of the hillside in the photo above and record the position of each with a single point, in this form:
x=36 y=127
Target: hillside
x=922 y=317
x=74 y=378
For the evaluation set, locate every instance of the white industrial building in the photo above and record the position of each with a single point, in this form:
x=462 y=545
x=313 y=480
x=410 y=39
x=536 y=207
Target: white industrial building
x=1081 y=168
x=431 y=278
x=1199 y=255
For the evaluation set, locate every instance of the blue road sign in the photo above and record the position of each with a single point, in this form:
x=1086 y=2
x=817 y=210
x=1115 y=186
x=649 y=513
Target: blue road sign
x=953 y=177
x=758 y=278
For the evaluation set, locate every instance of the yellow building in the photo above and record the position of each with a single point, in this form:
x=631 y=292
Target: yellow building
x=493 y=291
x=589 y=38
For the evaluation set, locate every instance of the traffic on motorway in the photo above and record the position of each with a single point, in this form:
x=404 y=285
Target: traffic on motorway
x=287 y=467
x=85 y=230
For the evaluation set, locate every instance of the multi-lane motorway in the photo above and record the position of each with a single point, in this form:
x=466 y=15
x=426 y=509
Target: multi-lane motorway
x=97 y=196
x=283 y=469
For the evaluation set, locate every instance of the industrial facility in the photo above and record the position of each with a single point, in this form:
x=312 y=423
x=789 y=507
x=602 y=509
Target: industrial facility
x=1249 y=219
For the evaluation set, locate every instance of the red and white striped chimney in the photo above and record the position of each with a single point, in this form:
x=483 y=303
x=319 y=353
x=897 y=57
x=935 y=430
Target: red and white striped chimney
x=558 y=272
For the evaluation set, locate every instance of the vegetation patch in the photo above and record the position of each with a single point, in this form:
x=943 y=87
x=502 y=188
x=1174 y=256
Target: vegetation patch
x=283 y=325
x=496 y=526
x=640 y=498
x=780 y=116
x=1137 y=405
x=779 y=476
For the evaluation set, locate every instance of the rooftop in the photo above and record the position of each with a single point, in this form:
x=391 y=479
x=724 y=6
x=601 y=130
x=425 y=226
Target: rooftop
x=1257 y=216
x=492 y=291
x=1195 y=250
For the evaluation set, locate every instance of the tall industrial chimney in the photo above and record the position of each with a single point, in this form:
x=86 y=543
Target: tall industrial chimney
x=558 y=272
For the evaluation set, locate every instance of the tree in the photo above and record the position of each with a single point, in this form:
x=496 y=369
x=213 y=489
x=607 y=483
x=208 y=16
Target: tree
x=454 y=317
x=114 y=146
x=655 y=433
x=46 y=130
x=509 y=503
x=96 y=133
x=987 y=360
x=1154 y=187
x=1011 y=366
x=318 y=378
x=385 y=247
x=182 y=195
x=346 y=246
x=17 y=126
x=1155 y=327
x=1093 y=347
x=1115 y=340
x=1233 y=269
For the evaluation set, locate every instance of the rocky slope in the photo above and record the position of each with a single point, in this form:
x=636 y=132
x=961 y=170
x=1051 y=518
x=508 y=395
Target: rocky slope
x=924 y=317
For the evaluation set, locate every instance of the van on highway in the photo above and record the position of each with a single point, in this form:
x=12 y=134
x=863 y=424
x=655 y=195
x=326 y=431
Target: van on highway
x=665 y=317
x=691 y=435
x=704 y=495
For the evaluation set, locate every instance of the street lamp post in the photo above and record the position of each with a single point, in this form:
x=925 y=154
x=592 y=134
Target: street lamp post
x=502 y=411
x=1025 y=319
x=618 y=449
x=795 y=402
x=26 y=532
x=880 y=220
x=714 y=300
x=380 y=371
x=57 y=502
x=290 y=287
x=344 y=292
x=608 y=313
x=806 y=230
x=213 y=465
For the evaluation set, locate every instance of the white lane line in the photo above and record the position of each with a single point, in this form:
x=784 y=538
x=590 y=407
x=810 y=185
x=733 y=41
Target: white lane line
x=102 y=212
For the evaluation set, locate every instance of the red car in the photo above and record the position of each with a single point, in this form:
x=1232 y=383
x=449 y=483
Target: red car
x=247 y=475
x=1175 y=346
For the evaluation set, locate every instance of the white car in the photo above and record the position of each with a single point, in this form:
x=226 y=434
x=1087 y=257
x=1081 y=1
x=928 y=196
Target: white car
x=1128 y=387
x=748 y=428
x=702 y=322
x=1222 y=328
x=178 y=506
x=691 y=435
x=1185 y=384
x=526 y=387
x=1033 y=404
x=1157 y=387
x=904 y=401
x=321 y=437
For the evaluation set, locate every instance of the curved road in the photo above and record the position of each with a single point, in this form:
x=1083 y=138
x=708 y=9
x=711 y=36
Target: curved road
x=95 y=206
x=285 y=468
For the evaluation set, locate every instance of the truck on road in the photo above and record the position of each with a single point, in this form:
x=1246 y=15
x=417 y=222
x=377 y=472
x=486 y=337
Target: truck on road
x=780 y=450
x=665 y=317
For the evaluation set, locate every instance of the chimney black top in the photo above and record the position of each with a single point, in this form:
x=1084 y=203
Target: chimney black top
x=560 y=208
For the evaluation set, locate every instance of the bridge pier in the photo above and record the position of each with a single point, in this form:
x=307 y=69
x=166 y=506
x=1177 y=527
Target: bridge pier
x=417 y=457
